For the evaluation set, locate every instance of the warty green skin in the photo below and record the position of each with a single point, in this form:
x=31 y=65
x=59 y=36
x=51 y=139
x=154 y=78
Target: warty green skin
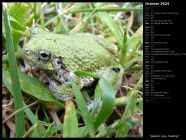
x=79 y=51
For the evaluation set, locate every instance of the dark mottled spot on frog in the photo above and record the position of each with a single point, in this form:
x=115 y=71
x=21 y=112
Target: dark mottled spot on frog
x=115 y=69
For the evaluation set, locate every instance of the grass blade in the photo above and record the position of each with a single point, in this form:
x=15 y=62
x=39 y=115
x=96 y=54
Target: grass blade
x=122 y=131
x=132 y=99
x=19 y=12
x=22 y=27
x=108 y=96
x=3 y=132
x=33 y=87
x=107 y=102
x=86 y=74
x=138 y=85
x=130 y=108
x=70 y=128
x=112 y=25
x=35 y=11
x=37 y=131
x=133 y=45
x=41 y=16
x=123 y=51
x=54 y=130
x=106 y=10
x=83 y=108
x=97 y=101
x=17 y=95
x=28 y=112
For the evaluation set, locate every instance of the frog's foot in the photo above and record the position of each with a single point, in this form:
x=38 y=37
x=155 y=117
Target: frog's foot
x=61 y=92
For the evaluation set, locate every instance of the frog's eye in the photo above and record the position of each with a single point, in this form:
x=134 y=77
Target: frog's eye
x=44 y=55
x=57 y=63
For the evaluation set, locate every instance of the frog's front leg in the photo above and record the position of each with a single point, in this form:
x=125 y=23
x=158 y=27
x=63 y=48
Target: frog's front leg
x=60 y=84
x=62 y=92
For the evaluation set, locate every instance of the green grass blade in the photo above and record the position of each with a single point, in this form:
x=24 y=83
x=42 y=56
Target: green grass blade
x=70 y=125
x=132 y=99
x=19 y=32
x=19 y=12
x=112 y=25
x=3 y=132
x=130 y=108
x=54 y=130
x=18 y=100
x=37 y=131
x=83 y=131
x=41 y=16
x=138 y=85
x=22 y=27
x=33 y=119
x=124 y=123
x=124 y=48
x=35 y=10
x=52 y=19
x=140 y=106
x=29 y=131
x=106 y=10
x=28 y=112
x=33 y=87
x=108 y=96
x=122 y=131
x=62 y=26
x=83 y=108
x=48 y=130
x=133 y=45
x=107 y=102
x=97 y=101
x=87 y=74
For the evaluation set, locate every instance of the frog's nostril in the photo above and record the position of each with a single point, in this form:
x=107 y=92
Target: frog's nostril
x=57 y=63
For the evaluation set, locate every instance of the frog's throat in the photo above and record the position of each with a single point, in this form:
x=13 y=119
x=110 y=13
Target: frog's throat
x=49 y=66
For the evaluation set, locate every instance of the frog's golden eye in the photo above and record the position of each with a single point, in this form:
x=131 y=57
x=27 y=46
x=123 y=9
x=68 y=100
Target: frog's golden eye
x=44 y=55
x=57 y=63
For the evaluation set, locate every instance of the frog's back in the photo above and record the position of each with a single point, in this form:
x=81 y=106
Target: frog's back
x=81 y=51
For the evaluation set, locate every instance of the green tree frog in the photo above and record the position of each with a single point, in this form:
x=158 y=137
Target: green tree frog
x=58 y=56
